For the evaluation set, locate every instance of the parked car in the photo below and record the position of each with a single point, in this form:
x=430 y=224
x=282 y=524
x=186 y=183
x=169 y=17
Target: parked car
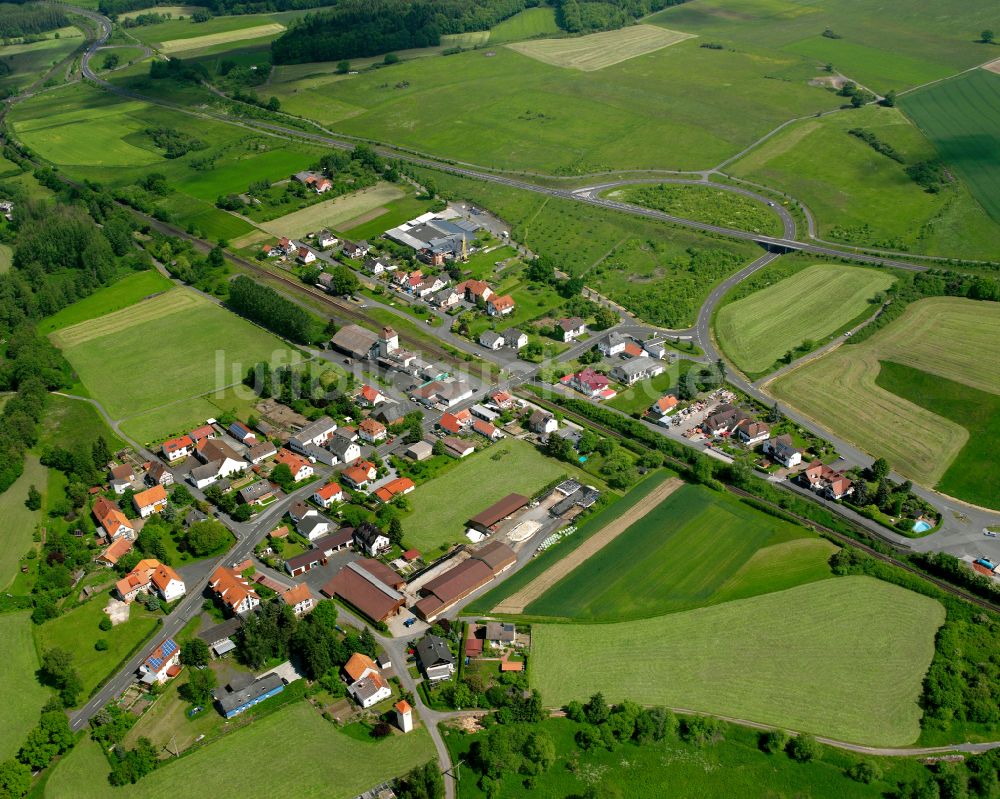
x=410 y=621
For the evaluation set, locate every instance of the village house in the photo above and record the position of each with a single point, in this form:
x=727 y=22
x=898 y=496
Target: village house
x=304 y=255
x=152 y=500
x=588 y=382
x=328 y=495
x=376 y=266
x=661 y=410
x=219 y=461
x=344 y=450
x=325 y=239
x=542 y=422
x=723 y=420
x=491 y=340
x=110 y=519
x=640 y=368
x=315 y=527
x=369 y=397
x=158 y=474
x=474 y=290
x=257 y=493
x=299 y=599
x=572 y=328
x=613 y=344
x=751 y=433
x=435 y=658
x=486 y=429
x=394 y=488
x=502 y=401
x=259 y=453
x=446 y=298
x=372 y=431
x=457 y=447
x=657 y=349
x=233 y=591
x=162 y=663
x=115 y=551
x=370 y=540
x=500 y=306
x=356 y=249
x=175 y=449
x=202 y=433
x=826 y=481
x=300 y=468
x=121 y=478
x=367 y=685
x=359 y=474
x=500 y=634
x=314 y=434
x=151 y=575
x=781 y=449
x=514 y=338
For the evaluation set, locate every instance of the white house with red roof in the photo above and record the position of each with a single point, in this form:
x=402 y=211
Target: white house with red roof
x=372 y=431
x=587 y=382
x=359 y=474
x=162 y=663
x=369 y=397
x=175 y=449
x=328 y=495
x=300 y=467
x=152 y=500
x=233 y=591
x=662 y=408
x=500 y=306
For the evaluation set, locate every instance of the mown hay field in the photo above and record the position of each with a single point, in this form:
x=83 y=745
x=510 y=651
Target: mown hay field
x=812 y=304
x=945 y=336
x=599 y=50
x=223 y=37
x=842 y=658
x=332 y=213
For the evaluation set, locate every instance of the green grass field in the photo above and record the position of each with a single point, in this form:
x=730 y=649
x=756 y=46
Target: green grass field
x=74 y=420
x=962 y=118
x=883 y=44
x=731 y=766
x=19 y=522
x=326 y=763
x=944 y=336
x=977 y=411
x=29 y=62
x=676 y=558
x=178 y=29
x=639 y=397
x=77 y=631
x=599 y=50
x=758 y=330
x=125 y=292
x=333 y=213
x=528 y=24
x=862 y=197
x=192 y=347
x=646 y=266
x=705 y=204
x=531 y=115
x=442 y=506
x=842 y=658
x=20 y=693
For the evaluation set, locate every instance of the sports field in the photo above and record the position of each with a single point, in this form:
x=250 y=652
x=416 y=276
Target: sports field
x=962 y=118
x=125 y=292
x=77 y=631
x=600 y=50
x=443 y=505
x=326 y=763
x=332 y=213
x=19 y=522
x=811 y=305
x=842 y=658
x=862 y=197
x=945 y=336
x=177 y=345
x=681 y=556
x=20 y=693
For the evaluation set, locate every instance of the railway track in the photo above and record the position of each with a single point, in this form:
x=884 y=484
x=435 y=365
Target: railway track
x=841 y=538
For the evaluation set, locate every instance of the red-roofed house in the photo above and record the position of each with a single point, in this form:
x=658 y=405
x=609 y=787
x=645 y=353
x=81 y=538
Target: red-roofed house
x=663 y=407
x=150 y=501
x=300 y=467
x=201 y=433
x=394 y=488
x=299 y=598
x=233 y=591
x=112 y=520
x=176 y=448
x=826 y=481
x=474 y=290
x=500 y=306
x=359 y=474
x=502 y=400
x=149 y=574
x=587 y=382
x=369 y=397
x=484 y=428
x=328 y=495
x=372 y=431
x=113 y=553
x=162 y=663
x=449 y=423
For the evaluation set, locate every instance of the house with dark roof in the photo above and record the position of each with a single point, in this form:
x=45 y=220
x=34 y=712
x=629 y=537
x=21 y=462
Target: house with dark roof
x=781 y=449
x=370 y=540
x=572 y=328
x=435 y=658
x=307 y=561
x=256 y=493
x=234 y=700
x=638 y=368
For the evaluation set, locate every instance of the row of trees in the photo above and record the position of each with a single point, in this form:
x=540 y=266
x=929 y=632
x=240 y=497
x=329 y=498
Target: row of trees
x=25 y=20
x=267 y=307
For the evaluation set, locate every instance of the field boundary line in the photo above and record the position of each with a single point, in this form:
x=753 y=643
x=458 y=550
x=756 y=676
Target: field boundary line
x=516 y=603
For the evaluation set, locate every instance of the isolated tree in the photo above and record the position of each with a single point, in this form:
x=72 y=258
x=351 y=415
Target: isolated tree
x=803 y=748
x=879 y=469
x=59 y=671
x=34 y=500
x=773 y=741
x=343 y=67
x=198 y=689
x=986 y=37
x=343 y=281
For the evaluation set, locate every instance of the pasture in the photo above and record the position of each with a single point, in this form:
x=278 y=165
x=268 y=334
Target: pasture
x=333 y=213
x=77 y=631
x=77 y=420
x=811 y=305
x=327 y=763
x=442 y=506
x=6 y=258
x=705 y=204
x=677 y=557
x=173 y=347
x=944 y=336
x=174 y=11
x=884 y=44
x=531 y=115
x=19 y=522
x=842 y=658
x=977 y=411
x=962 y=118
x=528 y=24
x=862 y=197
x=599 y=50
x=121 y=294
x=174 y=46
x=178 y=30
x=21 y=695
x=28 y=62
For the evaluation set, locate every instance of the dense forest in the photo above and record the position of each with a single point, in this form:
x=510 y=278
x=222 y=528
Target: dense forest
x=29 y=19
x=360 y=28
x=112 y=8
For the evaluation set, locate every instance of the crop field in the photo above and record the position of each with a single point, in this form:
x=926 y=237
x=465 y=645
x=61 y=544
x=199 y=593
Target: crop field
x=862 y=197
x=758 y=330
x=599 y=50
x=175 y=30
x=705 y=204
x=326 y=763
x=945 y=336
x=77 y=631
x=883 y=44
x=527 y=24
x=842 y=658
x=19 y=522
x=442 y=506
x=977 y=411
x=175 y=346
x=125 y=292
x=21 y=695
x=678 y=557
x=332 y=213
x=530 y=115
x=644 y=265
x=226 y=37
x=962 y=118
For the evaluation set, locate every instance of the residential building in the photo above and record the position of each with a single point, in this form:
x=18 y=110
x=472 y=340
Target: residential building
x=394 y=488
x=435 y=658
x=781 y=449
x=500 y=633
x=325 y=239
x=299 y=599
x=257 y=493
x=175 y=449
x=152 y=500
x=121 y=478
x=367 y=685
x=259 y=453
x=328 y=495
x=657 y=349
x=457 y=447
x=151 y=575
x=315 y=527
x=376 y=266
x=359 y=474
x=632 y=350
x=344 y=449
x=514 y=338
x=636 y=369
x=199 y=434
x=370 y=540
x=474 y=290
x=826 y=481
x=110 y=519
x=588 y=382
x=300 y=468
x=542 y=422
x=371 y=431
x=723 y=420
x=233 y=591
x=446 y=298
x=491 y=340
x=500 y=306
x=486 y=429
x=162 y=663
x=220 y=461
x=158 y=474
x=502 y=401
x=238 y=698
x=751 y=432
x=662 y=408
x=613 y=344
x=369 y=397
x=572 y=328
x=356 y=249
x=316 y=434
x=115 y=551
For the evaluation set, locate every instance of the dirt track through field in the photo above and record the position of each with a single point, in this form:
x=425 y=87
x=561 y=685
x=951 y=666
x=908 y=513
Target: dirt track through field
x=516 y=603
